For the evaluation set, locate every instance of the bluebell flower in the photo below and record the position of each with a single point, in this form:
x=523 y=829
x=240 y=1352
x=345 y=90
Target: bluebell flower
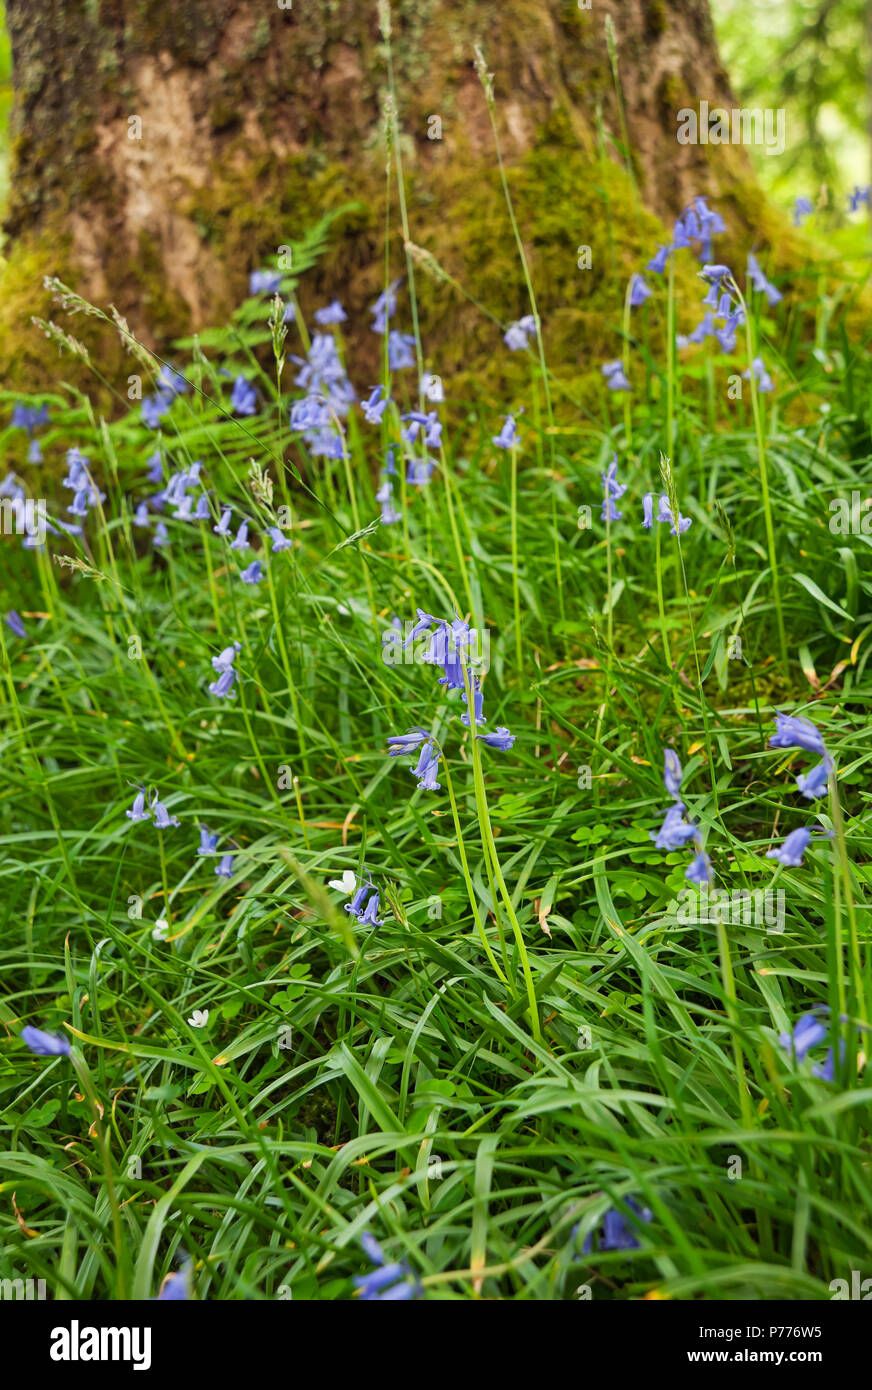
x=507 y=437
x=223 y=527
x=664 y=514
x=659 y=260
x=389 y=1282
x=639 y=291
x=704 y=329
x=518 y=334
x=184 y=509
x=310 y=413
x=615 y=377
x=802 y=208
x=427 y=767
x=171 y=381
x=161 y=534
x=264 y=282
x=826 y=1071
x=369 y=917
x=808 y=1031
x=759 y=281
x=224 y=868
x=762 y=377
x=791 y=851
x=139 y=811
x=243 y=398
x=223 y=686
x=45 y=1044
x=424 y=622
x=672 y=772
x=28 y=417
x=330 y=314
x=814 y=783
x=699 y=870
x=617 y=1232
x=323 y=374
x=155 y=407
x=279 y=540
x=648 y=510
x=290 y=314
x=240 y=541
x=13 y=620
x=419 y=470
x=793 y=731
x=207 y=842
x=356 y=905
x=612 y=489
x=141 y=516
x=406 y=743
x=254 y=573
x=860 y=195
x=477 y=703
x=162 y=819
x=400 y=350
x=384 y=308
x=499 y=738
x=675 y=830
x=176 y=1287
x=155 y=468
x=389 y=516
x=376 y=404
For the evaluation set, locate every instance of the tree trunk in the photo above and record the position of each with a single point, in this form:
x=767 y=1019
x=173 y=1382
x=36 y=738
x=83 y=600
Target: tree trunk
x=164 y=148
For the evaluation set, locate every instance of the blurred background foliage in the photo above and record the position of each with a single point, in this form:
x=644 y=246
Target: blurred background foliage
x=811 y=57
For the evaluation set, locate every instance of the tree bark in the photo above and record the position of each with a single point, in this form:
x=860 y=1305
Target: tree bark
x=164 y=148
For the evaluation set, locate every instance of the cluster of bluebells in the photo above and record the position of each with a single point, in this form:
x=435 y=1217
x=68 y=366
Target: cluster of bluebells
x=29 y=418
x=449 y=648
x=676 y=831
x=389 y=1281
x=223 y=663
x=21 y=508
x=519 y=334
x=792 y=731
x=79 y=480
x=151 y=808
x=614 y=489
x=170 y=384
x=724 y=314
x=364 y=904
